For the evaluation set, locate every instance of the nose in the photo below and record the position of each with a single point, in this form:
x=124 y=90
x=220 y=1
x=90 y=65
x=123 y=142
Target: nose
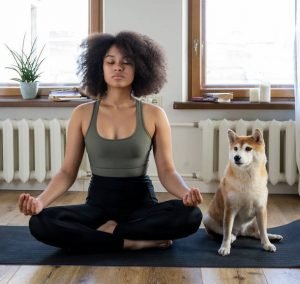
x=118 y=67
x=237 y=158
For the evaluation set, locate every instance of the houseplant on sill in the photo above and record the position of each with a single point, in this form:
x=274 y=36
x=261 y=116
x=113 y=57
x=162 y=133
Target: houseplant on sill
x=27 y=66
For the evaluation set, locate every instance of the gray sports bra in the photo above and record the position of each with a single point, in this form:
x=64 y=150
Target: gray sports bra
x=126 y=157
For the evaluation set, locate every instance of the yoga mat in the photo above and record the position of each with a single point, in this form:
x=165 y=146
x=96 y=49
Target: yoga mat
x=17 y=246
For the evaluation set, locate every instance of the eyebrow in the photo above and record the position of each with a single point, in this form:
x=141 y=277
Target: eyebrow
x=124 y=57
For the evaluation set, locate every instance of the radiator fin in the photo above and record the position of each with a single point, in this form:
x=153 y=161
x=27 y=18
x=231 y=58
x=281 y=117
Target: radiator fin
x=34 y=149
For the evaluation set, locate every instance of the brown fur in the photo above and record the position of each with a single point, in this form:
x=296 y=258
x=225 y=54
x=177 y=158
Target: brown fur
x=239 y=206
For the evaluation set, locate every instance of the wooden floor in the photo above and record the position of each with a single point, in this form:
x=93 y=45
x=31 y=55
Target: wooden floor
x=282 y=209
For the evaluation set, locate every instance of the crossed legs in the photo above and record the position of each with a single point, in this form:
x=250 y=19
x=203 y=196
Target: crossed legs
x=87 y=227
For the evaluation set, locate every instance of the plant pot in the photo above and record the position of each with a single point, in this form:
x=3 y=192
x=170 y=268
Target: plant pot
x=29 y=90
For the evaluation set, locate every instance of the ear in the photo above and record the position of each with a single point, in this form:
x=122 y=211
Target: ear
x=231 y=136
x=258 y=136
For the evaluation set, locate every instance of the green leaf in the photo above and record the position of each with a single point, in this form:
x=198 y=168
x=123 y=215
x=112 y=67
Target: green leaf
x=27 y=65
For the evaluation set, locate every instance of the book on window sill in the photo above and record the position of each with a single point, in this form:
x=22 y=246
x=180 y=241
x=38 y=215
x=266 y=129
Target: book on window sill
x=66 y=94
x=214 y=98
x=69 y=99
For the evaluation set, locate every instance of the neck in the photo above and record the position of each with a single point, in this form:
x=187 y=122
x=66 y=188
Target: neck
x=118 y=97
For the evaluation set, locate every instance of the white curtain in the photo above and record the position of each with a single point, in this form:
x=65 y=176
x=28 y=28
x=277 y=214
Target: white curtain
x=297 y=88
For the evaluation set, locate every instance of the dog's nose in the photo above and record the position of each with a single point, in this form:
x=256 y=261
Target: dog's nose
x=237 y=158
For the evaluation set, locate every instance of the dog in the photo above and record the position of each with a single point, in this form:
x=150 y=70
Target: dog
x=239 y=207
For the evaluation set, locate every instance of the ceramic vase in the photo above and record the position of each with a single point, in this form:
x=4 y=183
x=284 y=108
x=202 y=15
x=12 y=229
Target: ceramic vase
x=29 y=90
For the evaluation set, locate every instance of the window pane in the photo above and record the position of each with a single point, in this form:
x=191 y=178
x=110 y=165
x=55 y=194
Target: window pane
x=60 y=24
x=249 y=41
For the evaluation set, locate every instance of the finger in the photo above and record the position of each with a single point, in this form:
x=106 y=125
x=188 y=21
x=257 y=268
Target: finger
x=35 y=207
x=200 y=198
x=21 y=200
x=30 y=205
x=197 y=195
x=193 y=199
x=194 y=194
x=190 y=199
x=21 y=197
x=186 y=199
x=24 y=204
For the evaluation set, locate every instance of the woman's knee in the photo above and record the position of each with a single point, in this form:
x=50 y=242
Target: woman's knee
x=39 y=227
x=192 y=217
x=35 y=226
x=196 y=216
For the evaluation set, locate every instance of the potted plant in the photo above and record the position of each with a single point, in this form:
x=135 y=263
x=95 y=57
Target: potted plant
x=27 y=66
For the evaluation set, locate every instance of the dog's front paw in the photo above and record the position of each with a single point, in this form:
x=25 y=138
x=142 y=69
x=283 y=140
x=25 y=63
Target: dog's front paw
x=275 y=238
x=269 y=247
x=224 y=250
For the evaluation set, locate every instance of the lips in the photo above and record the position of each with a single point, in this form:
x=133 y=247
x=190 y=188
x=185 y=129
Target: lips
x=118 y=77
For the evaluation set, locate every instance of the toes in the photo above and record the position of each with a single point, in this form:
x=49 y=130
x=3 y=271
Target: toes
x=165 y=244
x=224 y=251
x=269 y=247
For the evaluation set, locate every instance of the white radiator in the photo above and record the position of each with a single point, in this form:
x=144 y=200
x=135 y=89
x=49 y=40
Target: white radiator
x=280 y=148
x=33 y=149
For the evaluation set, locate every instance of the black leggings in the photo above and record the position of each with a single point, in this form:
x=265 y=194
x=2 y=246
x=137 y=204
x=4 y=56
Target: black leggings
x=131 y=202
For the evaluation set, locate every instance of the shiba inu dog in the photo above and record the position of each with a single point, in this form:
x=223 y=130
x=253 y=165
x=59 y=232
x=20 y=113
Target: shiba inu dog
x=239 y=207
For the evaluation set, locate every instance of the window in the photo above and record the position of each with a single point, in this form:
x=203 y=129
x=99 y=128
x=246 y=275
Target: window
x=59 y=24
x=235 y=45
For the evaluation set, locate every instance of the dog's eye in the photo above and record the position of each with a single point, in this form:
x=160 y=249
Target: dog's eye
x=235 y=148
x=248 y=149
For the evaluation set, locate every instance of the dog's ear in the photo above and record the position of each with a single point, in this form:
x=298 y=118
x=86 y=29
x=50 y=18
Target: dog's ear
x=258 y=136
x=231 y=136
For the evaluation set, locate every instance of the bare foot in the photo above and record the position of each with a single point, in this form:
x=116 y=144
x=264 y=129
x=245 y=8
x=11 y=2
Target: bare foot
x=144 y=244
x=108 y=227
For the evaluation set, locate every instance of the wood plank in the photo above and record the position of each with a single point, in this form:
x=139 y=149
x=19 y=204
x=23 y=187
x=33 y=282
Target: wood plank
x=282 y=276
x=44 y=274
x=220 y=275
x=233 y=276
x=7 y=272
x=137 y=275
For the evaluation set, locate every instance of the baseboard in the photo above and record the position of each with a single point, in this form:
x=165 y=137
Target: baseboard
x=83 y=184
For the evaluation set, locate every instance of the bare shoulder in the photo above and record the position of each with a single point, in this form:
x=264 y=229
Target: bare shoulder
x=83 y=111
x=153 y=112
x=84 y=108
x=81 y=116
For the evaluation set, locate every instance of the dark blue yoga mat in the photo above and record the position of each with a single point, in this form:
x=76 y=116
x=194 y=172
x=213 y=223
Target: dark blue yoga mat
x=18 y=247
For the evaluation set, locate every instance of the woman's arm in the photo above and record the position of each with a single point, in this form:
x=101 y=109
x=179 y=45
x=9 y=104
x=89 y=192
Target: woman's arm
x=67 y=174
x=163 y=155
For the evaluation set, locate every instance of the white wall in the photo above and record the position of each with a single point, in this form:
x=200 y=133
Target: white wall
x=165 y=22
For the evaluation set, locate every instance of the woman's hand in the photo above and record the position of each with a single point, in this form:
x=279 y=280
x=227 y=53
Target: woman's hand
x=30 y=205
x=192 y=198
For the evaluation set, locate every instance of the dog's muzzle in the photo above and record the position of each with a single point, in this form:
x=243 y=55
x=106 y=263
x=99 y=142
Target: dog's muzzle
x=237 y=159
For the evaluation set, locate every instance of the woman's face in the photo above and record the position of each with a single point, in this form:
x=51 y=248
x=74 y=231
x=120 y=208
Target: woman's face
x=118 y=69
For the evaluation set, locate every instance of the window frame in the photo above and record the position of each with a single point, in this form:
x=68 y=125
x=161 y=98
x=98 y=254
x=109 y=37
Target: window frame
x=95 y=24
x=196 y=61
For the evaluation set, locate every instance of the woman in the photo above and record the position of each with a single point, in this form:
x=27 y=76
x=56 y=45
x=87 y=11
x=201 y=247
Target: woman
x=118 y=132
